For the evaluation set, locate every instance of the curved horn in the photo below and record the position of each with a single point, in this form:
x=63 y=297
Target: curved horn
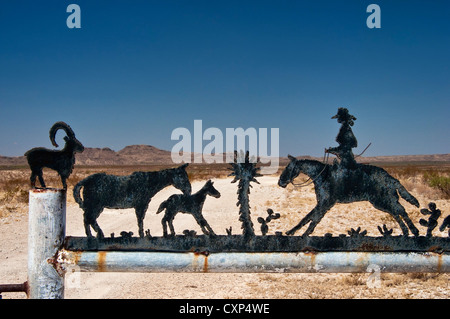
x=57 y=126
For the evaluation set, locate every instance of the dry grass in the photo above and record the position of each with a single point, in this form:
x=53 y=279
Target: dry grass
x=424 y=179
x=350 y=286
x=14 y=185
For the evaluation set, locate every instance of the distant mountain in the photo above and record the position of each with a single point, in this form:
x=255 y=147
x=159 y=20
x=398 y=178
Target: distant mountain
x=130 y=155
x=98 y=156
x=438 y=158
x=145 y=154
x=12 y=161
x=148 y=155
x=408 y=158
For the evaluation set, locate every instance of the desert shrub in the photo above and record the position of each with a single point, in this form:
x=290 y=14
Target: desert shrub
x=14 y=190
x=440 y=182
x=16 y=194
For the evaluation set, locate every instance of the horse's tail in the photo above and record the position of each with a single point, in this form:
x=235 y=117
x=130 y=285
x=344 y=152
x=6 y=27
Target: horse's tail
x=407 y=196
x=162 y=207
x=85 y=182
x=76 y=193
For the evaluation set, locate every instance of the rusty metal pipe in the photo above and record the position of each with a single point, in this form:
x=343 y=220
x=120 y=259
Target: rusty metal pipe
x=23 y=287
x=302 y=262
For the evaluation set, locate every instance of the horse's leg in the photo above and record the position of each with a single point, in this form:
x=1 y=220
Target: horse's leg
x=98 y=230
x=402 y=225
x=41 y=178
x=33 y=179
x=140 y=215
x=90 y=219
x=167 y=220
x=211 y=232
x=408 y=221
x=63 y=181
x=87 y=223
x=170 y=222
x=311 y=227
x=164 y=225
x=393 y=209
x=314 y=216
x=302 y=223
x=201 y=221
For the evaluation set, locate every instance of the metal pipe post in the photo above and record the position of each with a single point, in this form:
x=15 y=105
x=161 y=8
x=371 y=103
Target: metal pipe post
x=46 y=233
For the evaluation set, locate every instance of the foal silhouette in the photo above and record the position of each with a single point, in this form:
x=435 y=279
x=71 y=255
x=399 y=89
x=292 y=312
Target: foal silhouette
x=188 y=204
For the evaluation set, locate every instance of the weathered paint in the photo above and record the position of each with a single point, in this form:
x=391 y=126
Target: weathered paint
x=46 y=233
x=101 y=261
x=327 y=262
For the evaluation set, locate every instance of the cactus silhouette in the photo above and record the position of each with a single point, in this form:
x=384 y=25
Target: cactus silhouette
x=264 y=222
x=244 y=171
x=432 y=222
x=385 y=231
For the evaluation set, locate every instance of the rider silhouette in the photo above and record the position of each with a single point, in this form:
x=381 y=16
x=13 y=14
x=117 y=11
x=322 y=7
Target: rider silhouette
x=345 y=138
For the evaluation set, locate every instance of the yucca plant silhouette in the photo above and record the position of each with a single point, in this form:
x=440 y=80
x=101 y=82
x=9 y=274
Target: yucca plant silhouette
x=244 y=171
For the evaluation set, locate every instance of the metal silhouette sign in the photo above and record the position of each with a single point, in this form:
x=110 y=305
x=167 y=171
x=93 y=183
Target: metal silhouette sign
x=133 y=191
x=338 y=184
x=188 y=204
x=61 y=161
x=346 y=181
x=244 y=171
x=343 y=181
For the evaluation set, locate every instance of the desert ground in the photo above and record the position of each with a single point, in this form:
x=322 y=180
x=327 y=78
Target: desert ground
x=292 y=203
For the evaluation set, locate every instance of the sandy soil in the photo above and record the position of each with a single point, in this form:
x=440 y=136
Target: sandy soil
x=292 y=203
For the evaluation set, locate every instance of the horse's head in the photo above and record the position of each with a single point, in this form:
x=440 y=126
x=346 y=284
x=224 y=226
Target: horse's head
x=289 y=173
x=210 y=189
x=181 y=179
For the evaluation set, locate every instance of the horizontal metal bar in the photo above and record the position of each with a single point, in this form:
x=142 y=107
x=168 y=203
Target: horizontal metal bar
x=23 y=287
x=302 y=262
x=262 y=244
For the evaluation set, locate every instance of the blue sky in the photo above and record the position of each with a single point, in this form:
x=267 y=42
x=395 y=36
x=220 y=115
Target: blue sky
x=136 y=70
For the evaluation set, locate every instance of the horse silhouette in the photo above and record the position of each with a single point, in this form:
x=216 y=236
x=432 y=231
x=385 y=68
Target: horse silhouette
x=188 y=204
x=337 y=184
x=118 y=192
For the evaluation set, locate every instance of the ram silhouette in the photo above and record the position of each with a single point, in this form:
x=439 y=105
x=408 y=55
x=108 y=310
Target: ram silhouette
x=61 y=161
